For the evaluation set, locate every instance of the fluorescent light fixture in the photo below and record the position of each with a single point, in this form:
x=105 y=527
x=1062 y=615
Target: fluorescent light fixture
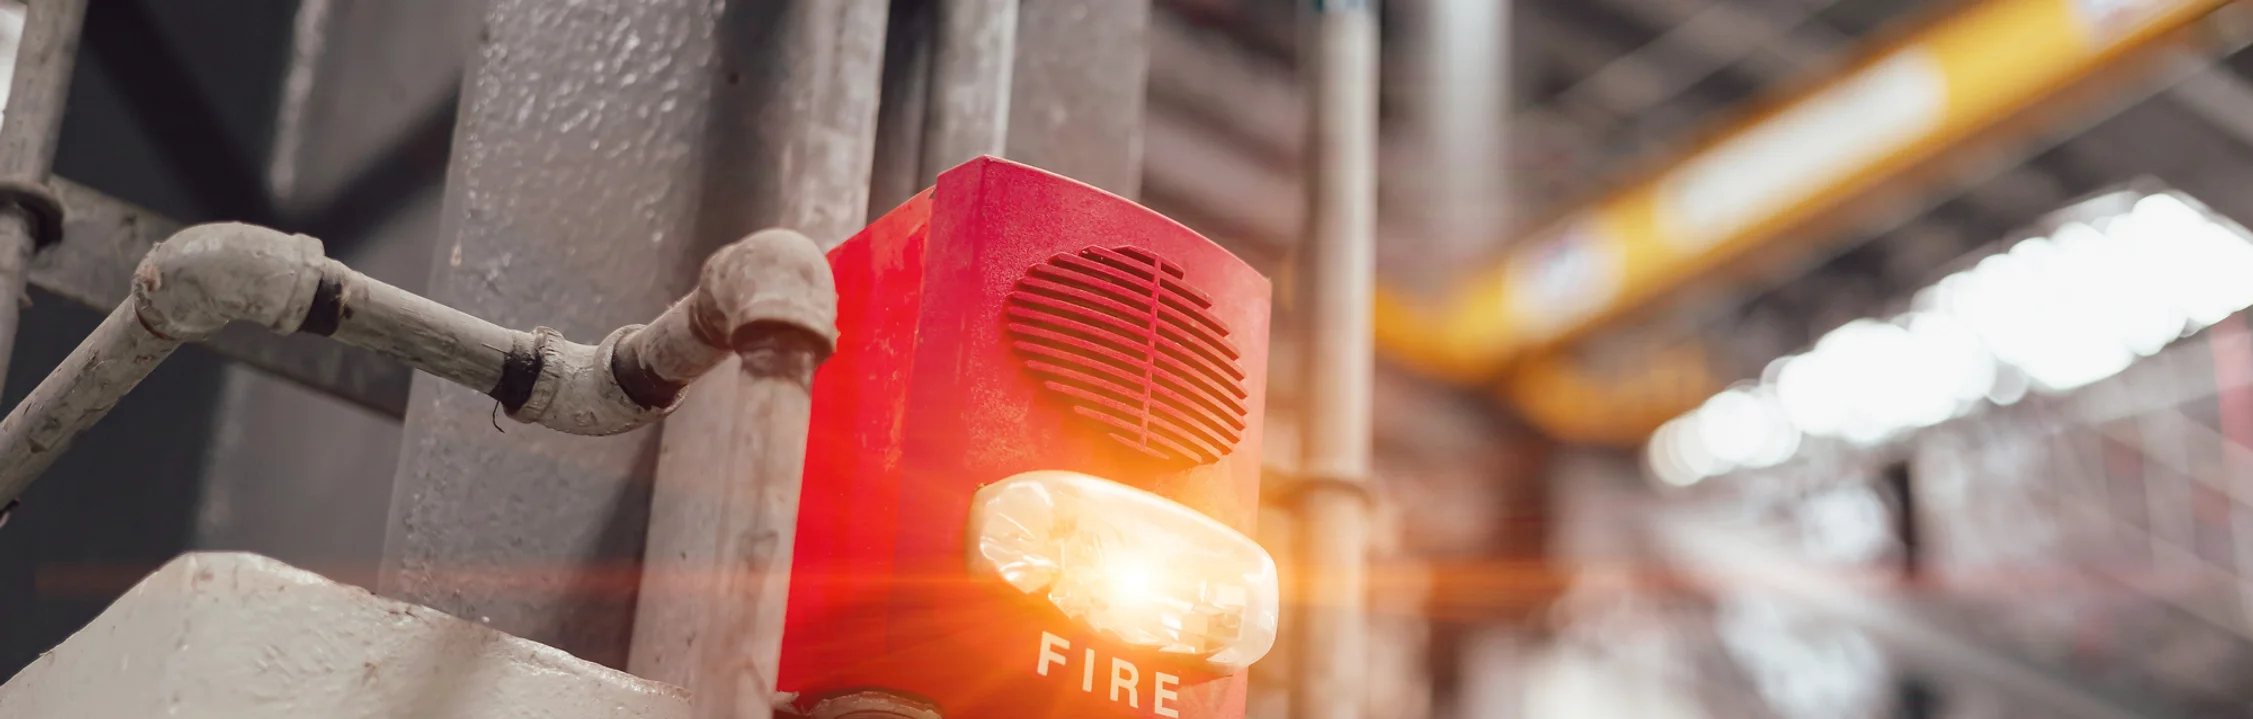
x=2052 y=314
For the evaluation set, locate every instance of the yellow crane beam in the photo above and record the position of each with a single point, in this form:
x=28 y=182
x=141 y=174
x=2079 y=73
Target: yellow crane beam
x=1903 y=108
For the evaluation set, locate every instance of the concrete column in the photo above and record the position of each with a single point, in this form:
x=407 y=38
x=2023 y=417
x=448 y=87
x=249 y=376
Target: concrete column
x=604 y=148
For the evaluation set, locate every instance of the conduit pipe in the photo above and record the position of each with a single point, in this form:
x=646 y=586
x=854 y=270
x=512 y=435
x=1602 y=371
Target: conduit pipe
x=716 y=574
x=1330 y=499
x=772 y=283
x=30 y=215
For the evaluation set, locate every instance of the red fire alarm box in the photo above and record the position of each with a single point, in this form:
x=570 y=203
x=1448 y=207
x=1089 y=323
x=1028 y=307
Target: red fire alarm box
x=1033 y=464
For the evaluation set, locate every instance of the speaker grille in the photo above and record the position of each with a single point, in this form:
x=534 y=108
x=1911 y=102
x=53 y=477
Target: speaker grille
x=1118 y=335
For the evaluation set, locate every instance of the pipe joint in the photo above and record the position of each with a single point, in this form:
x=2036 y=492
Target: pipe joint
x=773 y=287
x=572 y=386
x=41 y=209
x=873 y=704
x=1293 y=491
x=205 y=276
x=772 y=278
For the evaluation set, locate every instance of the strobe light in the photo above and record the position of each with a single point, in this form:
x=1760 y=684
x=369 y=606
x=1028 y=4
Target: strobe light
x=1130 y=565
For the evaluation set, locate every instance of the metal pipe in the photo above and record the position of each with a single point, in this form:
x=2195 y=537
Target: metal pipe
x=443 y=341
x=1329 y=674
x=1077 y=89
x=32 y=121
x=1465 y=102
x=723 y=508
x=721 y=533
x=188 y=287
x=89 y=382
x=93 y=266
x=758 y=510
x=206 y=276
x=972 y=66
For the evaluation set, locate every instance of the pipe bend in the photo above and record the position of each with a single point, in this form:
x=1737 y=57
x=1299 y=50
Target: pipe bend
x=773 y=277
x=205 y=276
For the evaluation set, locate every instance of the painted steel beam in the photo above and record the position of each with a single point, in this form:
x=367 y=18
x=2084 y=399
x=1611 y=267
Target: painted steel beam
x=1883 y=127
x=1812 y=154
x=1704 y=38
x=1621 y=404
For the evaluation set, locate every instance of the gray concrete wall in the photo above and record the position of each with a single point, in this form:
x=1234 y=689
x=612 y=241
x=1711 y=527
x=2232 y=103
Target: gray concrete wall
x=203 y=454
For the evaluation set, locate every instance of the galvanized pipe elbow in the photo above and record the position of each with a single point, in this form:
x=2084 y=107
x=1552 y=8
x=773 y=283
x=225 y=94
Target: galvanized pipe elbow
x=204 y=276
x=772 y=284
x=770 y=290
x=772 y=280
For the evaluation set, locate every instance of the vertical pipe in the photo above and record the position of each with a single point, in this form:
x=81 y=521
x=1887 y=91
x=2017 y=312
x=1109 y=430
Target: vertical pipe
x=1465 y=102
x=1466 y=98
x=795 y=150
x=33 y=119
x=40 y=87
x=1492 y=665
x=1329 y=674
x=897 y=172
x=758 y=516
x=947 y=89
x=971 y=70
x=1077 y=91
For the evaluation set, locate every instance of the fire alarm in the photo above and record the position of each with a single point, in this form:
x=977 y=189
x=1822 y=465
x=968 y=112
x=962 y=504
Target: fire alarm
x=1033 y=464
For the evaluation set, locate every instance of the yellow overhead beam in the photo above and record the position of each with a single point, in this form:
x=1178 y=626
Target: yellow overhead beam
x=1901 y=108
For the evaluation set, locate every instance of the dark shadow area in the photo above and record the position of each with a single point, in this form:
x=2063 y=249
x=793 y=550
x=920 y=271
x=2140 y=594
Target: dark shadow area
x=117 y=506
x=172 y=108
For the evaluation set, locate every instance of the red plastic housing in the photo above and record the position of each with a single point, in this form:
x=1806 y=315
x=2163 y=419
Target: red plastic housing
x=1009 y=320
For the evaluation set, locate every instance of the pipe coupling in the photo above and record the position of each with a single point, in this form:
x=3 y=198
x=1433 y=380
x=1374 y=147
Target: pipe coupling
x=873 y=704
x=577 y=376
